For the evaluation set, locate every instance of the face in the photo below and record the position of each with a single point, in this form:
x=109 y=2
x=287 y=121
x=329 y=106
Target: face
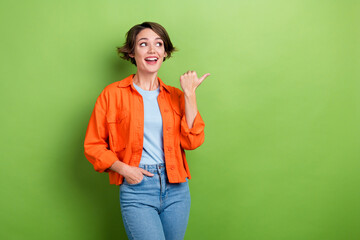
x=149 y=51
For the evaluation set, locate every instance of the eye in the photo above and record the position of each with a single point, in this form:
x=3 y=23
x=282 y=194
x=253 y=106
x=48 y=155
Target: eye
x=159 y=44
x=143 y=44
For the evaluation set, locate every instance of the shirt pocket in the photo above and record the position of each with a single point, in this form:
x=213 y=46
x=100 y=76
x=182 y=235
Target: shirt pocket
x=118 y=125
x=176 y=109
x=177 y=116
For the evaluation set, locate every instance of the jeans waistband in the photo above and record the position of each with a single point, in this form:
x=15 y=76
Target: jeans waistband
x=153 y=168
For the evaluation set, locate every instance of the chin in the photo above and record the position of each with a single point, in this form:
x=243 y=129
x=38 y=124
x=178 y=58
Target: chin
x=150 y=70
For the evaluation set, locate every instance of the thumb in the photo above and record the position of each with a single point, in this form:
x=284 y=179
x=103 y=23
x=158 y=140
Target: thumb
x=203 y=77
x=149 y=174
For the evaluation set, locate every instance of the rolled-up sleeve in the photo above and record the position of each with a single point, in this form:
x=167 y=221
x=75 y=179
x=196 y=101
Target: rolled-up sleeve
x=191 y=138
x=96 y=147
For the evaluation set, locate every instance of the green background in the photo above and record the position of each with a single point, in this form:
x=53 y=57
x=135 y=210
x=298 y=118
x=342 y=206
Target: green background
x=281 y=158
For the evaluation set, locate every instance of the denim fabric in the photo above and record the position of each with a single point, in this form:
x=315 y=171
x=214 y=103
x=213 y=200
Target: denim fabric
x=155 y=208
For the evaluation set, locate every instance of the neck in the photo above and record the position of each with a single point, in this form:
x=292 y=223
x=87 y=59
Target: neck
x=147 y=81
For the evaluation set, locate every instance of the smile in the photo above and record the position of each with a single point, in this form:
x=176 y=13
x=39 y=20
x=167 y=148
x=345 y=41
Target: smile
x=151 y=60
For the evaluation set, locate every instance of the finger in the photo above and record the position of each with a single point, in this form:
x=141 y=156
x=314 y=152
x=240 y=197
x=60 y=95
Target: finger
x=203 y=77
x=149 y=174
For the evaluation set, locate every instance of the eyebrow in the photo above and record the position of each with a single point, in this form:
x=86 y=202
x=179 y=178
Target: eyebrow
x=147 y=39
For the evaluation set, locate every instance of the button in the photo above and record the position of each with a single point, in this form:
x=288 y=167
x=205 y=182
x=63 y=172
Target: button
x=169 y=149
x=172 y=168
x=166 y=110
x=168 y=128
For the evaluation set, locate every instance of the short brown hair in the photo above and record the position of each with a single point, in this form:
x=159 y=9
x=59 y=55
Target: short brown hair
x=129 y=45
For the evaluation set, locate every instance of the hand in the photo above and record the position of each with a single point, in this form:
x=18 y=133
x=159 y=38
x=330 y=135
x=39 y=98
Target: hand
x=134 y=175
x=189 y=81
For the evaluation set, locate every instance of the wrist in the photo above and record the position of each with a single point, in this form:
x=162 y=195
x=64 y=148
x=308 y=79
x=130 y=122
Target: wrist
x=123 y=170
x=189 y=94
x=120 y=167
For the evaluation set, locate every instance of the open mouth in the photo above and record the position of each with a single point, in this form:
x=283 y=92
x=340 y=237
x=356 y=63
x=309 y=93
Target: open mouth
x=151 y=60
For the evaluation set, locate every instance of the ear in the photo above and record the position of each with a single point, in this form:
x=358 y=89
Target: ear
x=131 y=55
x=165 y=54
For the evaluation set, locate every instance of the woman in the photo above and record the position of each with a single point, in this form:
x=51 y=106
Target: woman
x=137 y=133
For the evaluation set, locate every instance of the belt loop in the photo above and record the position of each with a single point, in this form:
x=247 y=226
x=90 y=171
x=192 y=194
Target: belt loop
x=158 y=169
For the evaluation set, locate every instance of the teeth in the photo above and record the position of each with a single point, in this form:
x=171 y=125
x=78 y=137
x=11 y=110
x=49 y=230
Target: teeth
x=151 y=59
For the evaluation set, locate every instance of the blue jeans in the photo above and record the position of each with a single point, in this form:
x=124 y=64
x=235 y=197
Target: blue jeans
x=155 y=208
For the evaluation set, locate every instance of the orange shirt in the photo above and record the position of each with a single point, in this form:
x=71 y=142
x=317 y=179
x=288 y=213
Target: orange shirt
x=116 y=128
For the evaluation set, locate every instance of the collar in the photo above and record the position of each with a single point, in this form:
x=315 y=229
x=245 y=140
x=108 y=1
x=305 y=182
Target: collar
x=129 y=80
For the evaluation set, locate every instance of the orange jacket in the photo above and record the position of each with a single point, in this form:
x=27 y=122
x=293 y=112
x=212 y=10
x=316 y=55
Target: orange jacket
x=115 y=130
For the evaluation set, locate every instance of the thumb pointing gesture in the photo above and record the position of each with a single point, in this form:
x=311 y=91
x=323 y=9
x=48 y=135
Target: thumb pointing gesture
x=189 y=81
x=203 y=78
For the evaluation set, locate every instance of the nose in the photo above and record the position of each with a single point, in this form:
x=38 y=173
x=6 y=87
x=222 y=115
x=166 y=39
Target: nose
x=151 y=48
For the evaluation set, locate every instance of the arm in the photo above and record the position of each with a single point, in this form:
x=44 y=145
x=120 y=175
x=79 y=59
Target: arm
x=97 y=148
x=192 y=125
x=190 y=108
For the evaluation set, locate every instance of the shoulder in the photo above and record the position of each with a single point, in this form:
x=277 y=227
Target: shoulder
x=177 y=99
x=108 y=92
x=176 y=96
x=118 y=86
x=111 y=87
x=175 y=92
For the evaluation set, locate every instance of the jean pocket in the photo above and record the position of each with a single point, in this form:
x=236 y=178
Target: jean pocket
x=135 y=184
